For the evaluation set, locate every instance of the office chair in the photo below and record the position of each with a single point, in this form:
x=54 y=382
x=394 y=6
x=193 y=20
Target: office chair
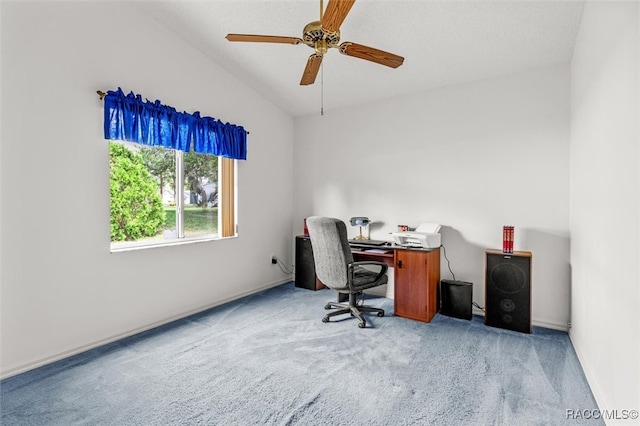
x=337 y=270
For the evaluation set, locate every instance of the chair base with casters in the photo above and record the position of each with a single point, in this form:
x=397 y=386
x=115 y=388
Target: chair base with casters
x=351 y=308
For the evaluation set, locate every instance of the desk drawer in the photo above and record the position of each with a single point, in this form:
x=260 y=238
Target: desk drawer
x=363 y=256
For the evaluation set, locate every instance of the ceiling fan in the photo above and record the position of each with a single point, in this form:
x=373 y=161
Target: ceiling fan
x=321 y=36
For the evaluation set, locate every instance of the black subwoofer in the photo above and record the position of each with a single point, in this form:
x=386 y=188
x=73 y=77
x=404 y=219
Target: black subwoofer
x=508 y=290
x=456 y=297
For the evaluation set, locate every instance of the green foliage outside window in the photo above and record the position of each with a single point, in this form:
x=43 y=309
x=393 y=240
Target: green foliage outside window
x=198 y=169
x=136 y=204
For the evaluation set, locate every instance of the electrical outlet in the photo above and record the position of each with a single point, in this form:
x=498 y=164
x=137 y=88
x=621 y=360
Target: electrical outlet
x=274 y=260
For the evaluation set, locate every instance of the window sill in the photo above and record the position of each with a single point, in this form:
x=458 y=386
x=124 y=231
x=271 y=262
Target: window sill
x=131 y=246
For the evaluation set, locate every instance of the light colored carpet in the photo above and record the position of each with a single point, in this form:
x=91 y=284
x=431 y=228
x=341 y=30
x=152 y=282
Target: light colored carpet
x=267 y=359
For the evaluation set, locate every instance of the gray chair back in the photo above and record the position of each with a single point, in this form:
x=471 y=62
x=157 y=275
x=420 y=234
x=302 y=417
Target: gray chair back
x=331 y=252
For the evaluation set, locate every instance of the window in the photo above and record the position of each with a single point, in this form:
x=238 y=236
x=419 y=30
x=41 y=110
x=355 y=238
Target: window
x=161 y=191
x=161 y=196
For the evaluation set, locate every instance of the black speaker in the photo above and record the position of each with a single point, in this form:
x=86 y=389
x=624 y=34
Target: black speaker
x=508 y=290
x=456 y=297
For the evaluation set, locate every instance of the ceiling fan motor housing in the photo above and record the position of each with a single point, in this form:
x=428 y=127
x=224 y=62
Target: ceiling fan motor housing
x=319 y=38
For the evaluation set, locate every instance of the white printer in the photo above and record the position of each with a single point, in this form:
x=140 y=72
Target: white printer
x=425 y=236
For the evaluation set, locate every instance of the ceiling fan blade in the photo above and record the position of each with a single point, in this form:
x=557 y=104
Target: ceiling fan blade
x=263 y=38
x=311 y=70
x=335 y=13
x=370 y=54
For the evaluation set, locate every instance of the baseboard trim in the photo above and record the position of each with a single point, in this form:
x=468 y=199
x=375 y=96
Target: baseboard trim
x=535 y=322
x=595 y=390
x=14 y=371
x=551 y=325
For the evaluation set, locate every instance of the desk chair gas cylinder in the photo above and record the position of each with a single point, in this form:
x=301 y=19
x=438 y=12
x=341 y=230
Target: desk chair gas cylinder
x=337 y=270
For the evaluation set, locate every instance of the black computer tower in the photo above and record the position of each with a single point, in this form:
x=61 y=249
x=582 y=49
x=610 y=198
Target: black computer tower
x=305 y=274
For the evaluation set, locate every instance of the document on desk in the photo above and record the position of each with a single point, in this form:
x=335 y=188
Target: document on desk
x=375 y=251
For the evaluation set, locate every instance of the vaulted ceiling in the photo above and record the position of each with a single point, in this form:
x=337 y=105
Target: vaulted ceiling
x=443 y=43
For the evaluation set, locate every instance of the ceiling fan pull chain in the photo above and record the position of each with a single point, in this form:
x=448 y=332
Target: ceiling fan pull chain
x=322 y=90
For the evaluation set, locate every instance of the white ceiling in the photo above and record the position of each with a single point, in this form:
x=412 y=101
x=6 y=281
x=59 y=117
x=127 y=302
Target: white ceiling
x=443 y=43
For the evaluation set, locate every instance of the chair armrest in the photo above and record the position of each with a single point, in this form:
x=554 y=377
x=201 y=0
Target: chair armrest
x=383 y=265
x=351 y=267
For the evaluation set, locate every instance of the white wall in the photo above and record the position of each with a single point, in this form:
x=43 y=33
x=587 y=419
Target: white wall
x=472 y=157
x=62 y=290
x=605 y=197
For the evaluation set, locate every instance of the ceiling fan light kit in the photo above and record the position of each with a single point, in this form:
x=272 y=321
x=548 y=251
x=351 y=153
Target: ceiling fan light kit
x=323 y=35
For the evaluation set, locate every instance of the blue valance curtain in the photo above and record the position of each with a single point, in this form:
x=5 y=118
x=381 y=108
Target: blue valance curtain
x=129 y=118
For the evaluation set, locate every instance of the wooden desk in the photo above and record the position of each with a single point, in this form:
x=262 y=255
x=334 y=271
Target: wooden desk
x=416 y=276
x=416 y=279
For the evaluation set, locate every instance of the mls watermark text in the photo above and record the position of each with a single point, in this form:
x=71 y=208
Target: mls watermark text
x=586 y=414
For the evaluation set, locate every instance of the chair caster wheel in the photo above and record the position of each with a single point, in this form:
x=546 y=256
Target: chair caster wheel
x=362 y=325
x=381 y=314
x=327 y=306
x=325 y=319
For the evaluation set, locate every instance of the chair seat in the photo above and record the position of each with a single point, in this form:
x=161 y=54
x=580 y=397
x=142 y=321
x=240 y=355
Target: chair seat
x=364 y=278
